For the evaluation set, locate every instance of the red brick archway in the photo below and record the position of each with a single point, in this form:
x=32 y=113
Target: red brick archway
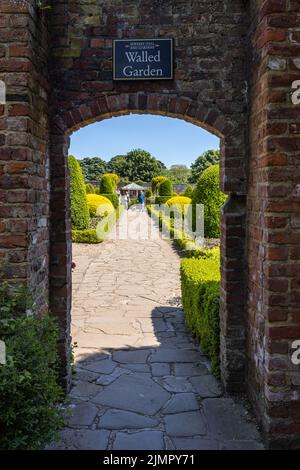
x=233 y=325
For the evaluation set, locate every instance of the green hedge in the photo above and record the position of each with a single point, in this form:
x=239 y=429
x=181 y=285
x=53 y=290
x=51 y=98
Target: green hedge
x=85 y=236
x=162 y=199
x=79 y=209
x=106 y=185
x=200 y=286
x=207 y=192
x=165 y=188
x=113 y=199
x=89 y=188
x=29 y=390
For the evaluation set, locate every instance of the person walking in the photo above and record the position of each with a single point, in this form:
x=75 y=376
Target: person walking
x=141 y=199
x=127 y=200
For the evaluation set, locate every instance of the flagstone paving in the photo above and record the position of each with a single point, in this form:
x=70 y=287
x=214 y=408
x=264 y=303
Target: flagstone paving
x=141 y=380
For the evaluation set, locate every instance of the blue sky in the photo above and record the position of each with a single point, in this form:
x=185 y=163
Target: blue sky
x=170 y=140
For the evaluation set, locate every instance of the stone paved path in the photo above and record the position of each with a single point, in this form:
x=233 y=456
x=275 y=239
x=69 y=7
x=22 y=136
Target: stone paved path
x=141 y=381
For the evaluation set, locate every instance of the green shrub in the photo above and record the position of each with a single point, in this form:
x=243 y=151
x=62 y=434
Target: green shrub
x=156 y=182
x=95 y=201
x=79 y=209
x=161 y=199
x=165 y=188
x=89 y=188
x=106 y=185
x=200 y=286
x=85 y=236
x=207 y=192
x=148 y=193
x=29 y=390
x=113 y=199
x=114 y=178
x=188 y=192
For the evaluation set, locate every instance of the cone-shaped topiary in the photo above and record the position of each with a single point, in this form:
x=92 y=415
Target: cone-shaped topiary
x=188 y=192
x=156 y=182
x=207 y=192
x=79 y=209
x=114 y=178
x=89 y=188
x=106 y=185
x=166 y=188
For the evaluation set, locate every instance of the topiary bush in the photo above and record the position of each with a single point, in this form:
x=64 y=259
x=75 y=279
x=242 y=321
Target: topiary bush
x=162 y=200
x=166 y=188
x=114 y=178
x=79 y=209
x=99 y=205
x=113 y=199
x=148 y=193
x=200 y=286
x=207 y=192
x=85 y=236
x=188 y=192
x=106 y=185
x=89 y=188
x=156 y=182
x=179 y=204
x=29 y=392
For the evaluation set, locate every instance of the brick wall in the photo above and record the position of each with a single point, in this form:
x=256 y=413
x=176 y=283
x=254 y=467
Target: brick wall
x=24 y=156
x=273 y=220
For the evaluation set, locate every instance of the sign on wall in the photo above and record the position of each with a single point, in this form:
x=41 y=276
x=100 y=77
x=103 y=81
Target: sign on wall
x=143 y=59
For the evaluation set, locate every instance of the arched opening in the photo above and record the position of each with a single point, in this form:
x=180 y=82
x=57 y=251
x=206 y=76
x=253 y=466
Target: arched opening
x=232 y=316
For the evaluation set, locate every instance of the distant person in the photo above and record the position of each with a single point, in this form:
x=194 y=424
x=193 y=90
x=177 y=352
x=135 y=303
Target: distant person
x=119 y=195
x=141 y=199
x=127 y=200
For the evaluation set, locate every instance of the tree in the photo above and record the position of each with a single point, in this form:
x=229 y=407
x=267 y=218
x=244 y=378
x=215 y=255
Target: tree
x=208 y=193
x=79 y=209
x=136 y=165
x=118 y=165
x=179 y=173
x=93 y=168
x=210 y=157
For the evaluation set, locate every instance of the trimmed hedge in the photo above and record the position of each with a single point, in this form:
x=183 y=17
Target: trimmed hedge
x=106 y=185
x=99 y=205
x=113 y=199
x=156 y=182
x=188 y=192
x=162 y=199
x=180 y=204
x=89 y=188
x=207 y=192
x=29 y=392
x=79 y=209
x=85 y=236
x=200 y=286
x=114 y=178
x=165 y=188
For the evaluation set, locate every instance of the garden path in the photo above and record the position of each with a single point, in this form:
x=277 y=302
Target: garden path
x=141 y=381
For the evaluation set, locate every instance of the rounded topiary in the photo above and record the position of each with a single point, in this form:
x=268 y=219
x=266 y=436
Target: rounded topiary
x=89 y=188
x=106 y=185
x=114 y=178
x=166 y=188
x=179 y=201
x=156 y=182
x=99 y=205
x=113 y=199
x=188 y=192
x=148 y=193
x=79 y=209
x=207 y=192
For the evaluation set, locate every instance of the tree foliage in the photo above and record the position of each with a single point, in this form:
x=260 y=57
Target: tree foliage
x=136 y=165
x=93 y=168
x=210 y=157
x=79 y=209
x=179 y=173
